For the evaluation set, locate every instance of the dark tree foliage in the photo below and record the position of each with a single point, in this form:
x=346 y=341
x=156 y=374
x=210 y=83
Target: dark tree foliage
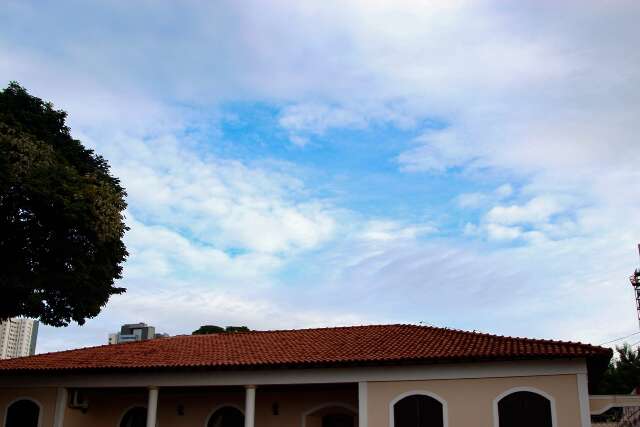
x=212 y=329
x=61 y=217
x=623 y=374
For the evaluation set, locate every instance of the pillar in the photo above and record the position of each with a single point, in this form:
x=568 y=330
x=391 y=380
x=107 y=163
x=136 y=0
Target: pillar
x=152 y=407
x=362 y=404
x=61 y=407
x=250 y=406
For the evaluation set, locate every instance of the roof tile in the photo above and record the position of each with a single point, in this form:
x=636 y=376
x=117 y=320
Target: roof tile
x=307 y=347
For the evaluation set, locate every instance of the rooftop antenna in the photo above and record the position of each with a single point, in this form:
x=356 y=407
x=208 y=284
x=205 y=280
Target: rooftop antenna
x=635 y=282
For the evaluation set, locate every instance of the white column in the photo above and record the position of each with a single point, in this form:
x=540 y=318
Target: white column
x=152 y=407
x=583 y=395
x=362 y=404
x=250 y=406
x=61 y=406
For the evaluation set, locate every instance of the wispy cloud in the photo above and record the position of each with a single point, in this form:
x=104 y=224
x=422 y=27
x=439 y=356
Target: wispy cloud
x=510 y=131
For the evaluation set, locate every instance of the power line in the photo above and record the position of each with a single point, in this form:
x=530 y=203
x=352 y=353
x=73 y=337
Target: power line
x=621 y=338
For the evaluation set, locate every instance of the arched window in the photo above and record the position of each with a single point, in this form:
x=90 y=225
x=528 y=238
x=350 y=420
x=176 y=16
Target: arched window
x=227 y=416
x=135 y=417
x=23 y=413
x=418 y=410
x=524 y=409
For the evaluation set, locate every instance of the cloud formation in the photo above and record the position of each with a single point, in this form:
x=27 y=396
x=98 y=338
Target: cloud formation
x=519 y=120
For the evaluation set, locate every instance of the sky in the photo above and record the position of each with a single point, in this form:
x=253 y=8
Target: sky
x=463 y=164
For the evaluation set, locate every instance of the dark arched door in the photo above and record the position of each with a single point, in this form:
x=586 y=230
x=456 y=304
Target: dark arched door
x=524 y=409
x=135 y=417
x=23 y=413
x=227 y=416
x=418 y=411
x=338 y=420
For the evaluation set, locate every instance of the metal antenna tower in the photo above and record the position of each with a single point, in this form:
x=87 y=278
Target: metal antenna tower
x=635 y=282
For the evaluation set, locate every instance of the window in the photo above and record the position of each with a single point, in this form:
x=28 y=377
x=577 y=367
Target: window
x=23 y=413
x=524 y=409
x=227 y=416
x=135 y=417
x=418 y=410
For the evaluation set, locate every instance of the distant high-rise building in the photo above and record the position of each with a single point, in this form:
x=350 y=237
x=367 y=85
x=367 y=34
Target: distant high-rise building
x=134 y=332
x=18 y=337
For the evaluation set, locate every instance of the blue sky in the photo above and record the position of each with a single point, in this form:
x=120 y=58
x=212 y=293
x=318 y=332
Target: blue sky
x=468 y=164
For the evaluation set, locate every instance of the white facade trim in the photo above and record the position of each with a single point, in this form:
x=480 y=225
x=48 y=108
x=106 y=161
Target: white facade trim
x=250 y=406
x=445 y=409
x=6 y=410
x=551 y=399
x=218 y=407
x=583 y=396
x=298 y=376
x=363 y=404
x=614 y=401
x=61 y=406
x=316 y=408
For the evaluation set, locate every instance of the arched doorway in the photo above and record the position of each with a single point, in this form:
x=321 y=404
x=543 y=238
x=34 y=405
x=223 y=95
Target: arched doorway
x=524 y=409
x=338 y=420
x=330 y=415
x=226 y=416
x=135 y=417
x=23 y=413
x=418 y=410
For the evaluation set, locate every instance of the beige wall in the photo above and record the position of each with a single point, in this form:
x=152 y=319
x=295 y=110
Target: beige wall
x=108 y=406
x=46 y=397
x=470 y=401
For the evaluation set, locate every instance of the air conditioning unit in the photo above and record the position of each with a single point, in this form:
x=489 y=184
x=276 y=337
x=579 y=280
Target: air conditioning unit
x=78 y=401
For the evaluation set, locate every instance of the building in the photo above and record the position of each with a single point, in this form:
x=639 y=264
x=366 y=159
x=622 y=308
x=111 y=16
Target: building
x=363 y=376
x=134 y=332
x=18 y=337
x=113 y=338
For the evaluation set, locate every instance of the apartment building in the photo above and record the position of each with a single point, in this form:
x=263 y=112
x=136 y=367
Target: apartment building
x=18 y=337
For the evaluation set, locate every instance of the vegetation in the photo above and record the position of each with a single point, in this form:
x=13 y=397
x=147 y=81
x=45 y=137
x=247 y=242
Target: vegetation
x=621 y=377
x=213 y=329
x=623 y=374
x=61 y=217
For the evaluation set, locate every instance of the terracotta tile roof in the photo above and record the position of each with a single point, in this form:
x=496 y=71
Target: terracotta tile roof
x=381 y=344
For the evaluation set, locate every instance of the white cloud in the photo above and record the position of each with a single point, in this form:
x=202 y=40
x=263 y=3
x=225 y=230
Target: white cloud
x=537 y=210
x=544 y=95
x=306 y=120
x=501 y=232
x=317 y=118
x=505 y=190
x=479 y=199
x=472 y=200
x=437 y=151
x=387 y=230
x=159 y=251
x=219 y=202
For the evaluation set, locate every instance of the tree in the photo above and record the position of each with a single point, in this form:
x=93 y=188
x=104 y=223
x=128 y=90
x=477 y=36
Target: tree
x=213 y=329
x=61 y=217
x=234 y=329
x=623 y=374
